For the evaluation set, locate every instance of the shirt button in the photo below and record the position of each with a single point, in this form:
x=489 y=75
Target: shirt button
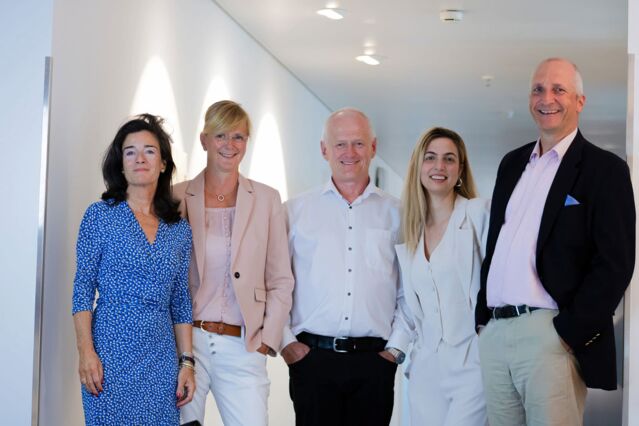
x=349 y=293
x=350 y=248
x=350 y=270
x=236 y=275
x=350 y=207
x=346 y=318
x=350 y=227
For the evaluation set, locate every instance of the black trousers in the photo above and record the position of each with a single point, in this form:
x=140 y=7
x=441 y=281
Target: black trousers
x=349 y=389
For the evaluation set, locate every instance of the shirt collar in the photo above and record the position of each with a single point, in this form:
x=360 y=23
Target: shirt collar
x=370 y=189
x=559 y=149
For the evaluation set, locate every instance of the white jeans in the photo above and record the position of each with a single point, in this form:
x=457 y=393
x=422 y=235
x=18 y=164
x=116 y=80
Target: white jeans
x=237 y=378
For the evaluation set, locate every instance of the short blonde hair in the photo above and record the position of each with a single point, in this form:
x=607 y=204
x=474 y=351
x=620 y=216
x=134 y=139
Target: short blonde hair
x=225 y=115
x=415 y=198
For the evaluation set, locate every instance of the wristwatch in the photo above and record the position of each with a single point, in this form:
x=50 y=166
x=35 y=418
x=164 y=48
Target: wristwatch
x=397 y=354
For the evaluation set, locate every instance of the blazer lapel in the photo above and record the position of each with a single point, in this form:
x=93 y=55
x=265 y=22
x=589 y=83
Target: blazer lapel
x=503 y=190
x=194 y=199
x=243 y=211
x=463 y=245
x=564 y=179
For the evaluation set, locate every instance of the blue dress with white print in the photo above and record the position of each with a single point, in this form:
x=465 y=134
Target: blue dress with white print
x=143 y=292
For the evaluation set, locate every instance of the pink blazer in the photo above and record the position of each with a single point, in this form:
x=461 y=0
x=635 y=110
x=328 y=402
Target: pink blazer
x=260 y=262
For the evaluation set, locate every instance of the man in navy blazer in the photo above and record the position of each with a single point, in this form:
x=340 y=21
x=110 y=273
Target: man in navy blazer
x=559 y=256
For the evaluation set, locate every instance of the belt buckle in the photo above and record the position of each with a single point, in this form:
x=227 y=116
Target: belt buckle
x=335 y=339
x=202 y=325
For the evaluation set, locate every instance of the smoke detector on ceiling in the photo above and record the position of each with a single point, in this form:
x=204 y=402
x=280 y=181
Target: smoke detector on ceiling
x=451 y=15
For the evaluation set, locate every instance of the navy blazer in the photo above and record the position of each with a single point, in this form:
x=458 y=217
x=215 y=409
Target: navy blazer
x=585 y=251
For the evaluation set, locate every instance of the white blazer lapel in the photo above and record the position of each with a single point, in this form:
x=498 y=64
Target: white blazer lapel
x=463 y=245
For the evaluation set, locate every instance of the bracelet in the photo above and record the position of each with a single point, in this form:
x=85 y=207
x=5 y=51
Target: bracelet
x=190 y=354
x=187 y=364
x=186 y=358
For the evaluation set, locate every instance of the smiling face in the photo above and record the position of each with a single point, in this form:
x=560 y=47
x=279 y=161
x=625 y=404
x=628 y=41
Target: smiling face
x=554 y=100
x=225 y=149
x=349 y=146
x=141 y=159
x=441 y=169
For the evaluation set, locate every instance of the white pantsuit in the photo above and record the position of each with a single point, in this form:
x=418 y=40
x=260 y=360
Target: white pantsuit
x=445 y=386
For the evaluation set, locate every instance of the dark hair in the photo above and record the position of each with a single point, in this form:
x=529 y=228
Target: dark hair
x=164 y=205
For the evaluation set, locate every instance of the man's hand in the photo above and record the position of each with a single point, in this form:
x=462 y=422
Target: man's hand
x=387 y=356
x=294 y=352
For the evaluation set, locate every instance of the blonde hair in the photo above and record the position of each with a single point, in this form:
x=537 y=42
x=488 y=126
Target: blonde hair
x=225 y=115
x=415 y=198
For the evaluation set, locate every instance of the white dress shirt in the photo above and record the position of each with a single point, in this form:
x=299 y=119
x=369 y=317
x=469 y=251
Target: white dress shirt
x=346 y=272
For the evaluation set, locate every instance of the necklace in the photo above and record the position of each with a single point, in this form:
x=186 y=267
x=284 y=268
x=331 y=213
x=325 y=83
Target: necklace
x=220 y=197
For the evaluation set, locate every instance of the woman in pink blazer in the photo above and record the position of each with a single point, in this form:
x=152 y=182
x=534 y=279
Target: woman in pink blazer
x=240 y=276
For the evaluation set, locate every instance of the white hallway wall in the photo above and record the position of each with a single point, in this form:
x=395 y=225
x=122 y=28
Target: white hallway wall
x=25 y=40
x=113 y=58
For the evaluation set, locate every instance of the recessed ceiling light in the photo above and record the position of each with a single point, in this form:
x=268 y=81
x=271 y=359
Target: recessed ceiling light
x=369 y=59
x=332 y=13
x=451 y=15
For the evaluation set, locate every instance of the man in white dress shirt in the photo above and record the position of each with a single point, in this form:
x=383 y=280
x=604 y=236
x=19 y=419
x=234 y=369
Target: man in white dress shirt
x=346 y=334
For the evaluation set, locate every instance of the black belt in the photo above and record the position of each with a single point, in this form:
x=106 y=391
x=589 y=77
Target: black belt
x=510 y=311
x=342 y=344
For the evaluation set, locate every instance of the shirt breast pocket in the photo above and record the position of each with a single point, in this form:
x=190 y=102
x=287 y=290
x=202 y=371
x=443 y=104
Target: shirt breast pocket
x=379 y=250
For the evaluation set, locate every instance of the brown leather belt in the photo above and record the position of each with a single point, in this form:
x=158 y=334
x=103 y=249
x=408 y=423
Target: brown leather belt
x=219 y=328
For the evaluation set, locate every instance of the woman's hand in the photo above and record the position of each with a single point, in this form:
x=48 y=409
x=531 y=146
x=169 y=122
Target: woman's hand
x=263 y=349
x=90 y=370
x=185 y=386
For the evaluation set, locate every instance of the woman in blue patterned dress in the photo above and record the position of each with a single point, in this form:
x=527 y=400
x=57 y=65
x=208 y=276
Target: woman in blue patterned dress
x=134 y=250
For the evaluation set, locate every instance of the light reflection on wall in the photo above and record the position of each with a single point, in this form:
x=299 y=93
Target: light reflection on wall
x=216 y=91
x=154 y=95
x=267 y=159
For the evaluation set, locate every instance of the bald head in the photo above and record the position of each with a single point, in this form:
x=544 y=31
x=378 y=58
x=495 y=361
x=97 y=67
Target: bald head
x=577 y=79
x=351 y=114
x=556 y=100
x=348 y=144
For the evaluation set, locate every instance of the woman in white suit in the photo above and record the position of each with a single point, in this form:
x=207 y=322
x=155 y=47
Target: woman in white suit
x=444 y=228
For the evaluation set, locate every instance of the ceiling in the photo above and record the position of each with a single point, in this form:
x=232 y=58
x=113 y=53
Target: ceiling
x=432 y=71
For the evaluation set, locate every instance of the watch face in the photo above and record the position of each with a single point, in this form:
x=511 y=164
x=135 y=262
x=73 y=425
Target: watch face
x=399 y=355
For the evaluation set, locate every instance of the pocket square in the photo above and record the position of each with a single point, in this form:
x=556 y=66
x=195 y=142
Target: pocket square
x=571 y=201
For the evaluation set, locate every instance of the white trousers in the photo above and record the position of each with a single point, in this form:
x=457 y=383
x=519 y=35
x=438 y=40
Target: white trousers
x=237 y=379
x=445 y=387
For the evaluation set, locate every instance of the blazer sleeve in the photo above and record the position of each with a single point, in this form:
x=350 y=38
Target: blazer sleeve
x=612 y=264
x=277 y=276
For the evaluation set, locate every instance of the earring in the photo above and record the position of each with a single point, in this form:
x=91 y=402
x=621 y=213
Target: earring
x=459 y=183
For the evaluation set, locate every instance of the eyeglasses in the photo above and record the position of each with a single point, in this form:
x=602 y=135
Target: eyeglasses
x=225 y=137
